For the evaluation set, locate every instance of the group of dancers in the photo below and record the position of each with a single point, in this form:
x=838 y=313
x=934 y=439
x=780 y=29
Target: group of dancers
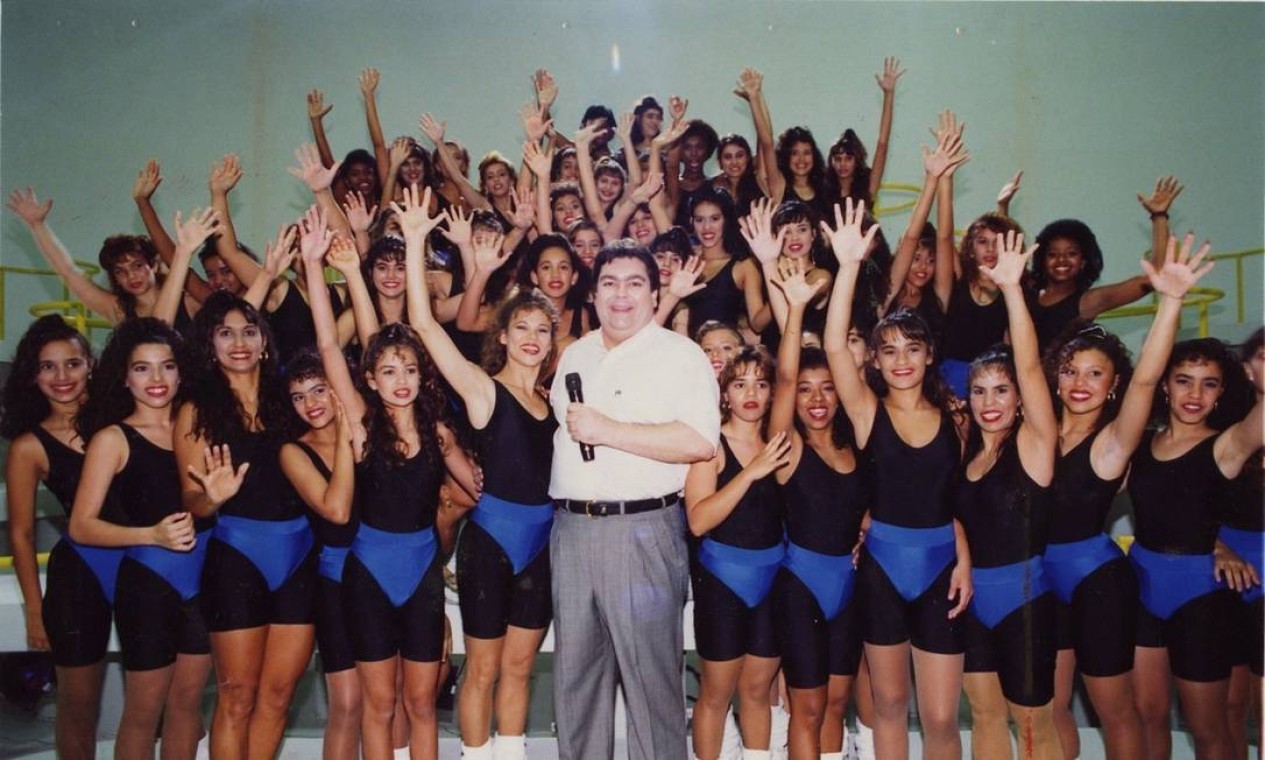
x=918 y=453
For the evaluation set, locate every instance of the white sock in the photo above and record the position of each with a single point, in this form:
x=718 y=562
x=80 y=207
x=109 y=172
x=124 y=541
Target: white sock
x=510 y=747
x=755 y=754
x=482 y=752
x=203 y=752
x=731 y=745
x=864 y=741
x=831 y=756
x=400 y=753
x=779 y=731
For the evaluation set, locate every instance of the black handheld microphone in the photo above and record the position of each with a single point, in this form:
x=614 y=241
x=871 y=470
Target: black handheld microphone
x=577 y=397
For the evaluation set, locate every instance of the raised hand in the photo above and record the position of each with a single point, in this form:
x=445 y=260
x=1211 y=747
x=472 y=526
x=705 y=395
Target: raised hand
x=949 y=154
x=314 y=175
x=279 y=254
x=175 y=532
x=846 y=240
x=369 y=81
x=1181 y=270
x=623 y=130
x=225 y=174
x=358 y=216
x=193 y=233
x=343 y=257
x=540 y=162
x=399 y=151
x=750 y=81
x=432 y=129
x=546 y=88
x=677 y=106
x=1166 y=191
x=685 y=281
x=891 y=73
x=488 y=256
x=670 y=135
x=791 y=279
x=947 y=126
x=757 y=228
x=1012 y=261
x=27 y=206
x=414 y=215
x=647 y=189
x=524 y=203
x=147 y=181
x=585 y=135
x=775 y=455
x=218 y=479
x=315 y=236
x=535 y=125
x=458 y=229
x=316 y=108
x=1009 y=189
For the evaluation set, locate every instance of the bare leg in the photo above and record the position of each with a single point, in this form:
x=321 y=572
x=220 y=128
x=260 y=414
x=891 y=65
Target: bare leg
x=342 y=731
x=889 y=679
x=1203 y=707
x=990 y=731
x=239 y=659
x=78 y=710
x=838 y=689
x=939 y=680
x=808 y=709
x=1236 y=709
x=715 y=692
x=753 y=700
x=287 y=653
x=1115 y=704
x=1038 y=739
x=420 y=691
x=182 y=720
x=144 y=696
x=1151 y=695
x=377 y=680
x=513 y=692
x=1064 y=688
x=474 y=700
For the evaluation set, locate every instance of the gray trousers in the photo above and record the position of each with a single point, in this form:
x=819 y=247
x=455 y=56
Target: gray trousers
x=618 y=597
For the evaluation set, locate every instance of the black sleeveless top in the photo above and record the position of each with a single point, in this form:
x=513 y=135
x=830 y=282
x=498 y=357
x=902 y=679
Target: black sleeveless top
x=291 y=322
x=328 y=533
x=1241 y=499
x=1175 y=508
x=64 y=467
x=912 y=486
x=1081 y=498
x=147 y=489
x=824 y=506
x=517 y=451
x=1051 y=320
x=971 y=328
x=756 y=522
x=265 y=494
x=1005 y=513
x=403 y=498
x=720 y=299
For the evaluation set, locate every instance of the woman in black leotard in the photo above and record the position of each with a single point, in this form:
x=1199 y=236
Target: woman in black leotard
x=129 y=496
x=392 y=580
x=553 y=268
x=732 y=279
x=320 y=466
x=1103 y=407
x=817 y=616
x=1173 y=483
x=46 y=387
x=260 y=580
x=914 y=573
x=502 y=573
x=1003 y=500
x=735 y=508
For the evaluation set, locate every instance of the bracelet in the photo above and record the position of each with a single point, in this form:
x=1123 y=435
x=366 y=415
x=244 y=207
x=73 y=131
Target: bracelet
x=1158 y=214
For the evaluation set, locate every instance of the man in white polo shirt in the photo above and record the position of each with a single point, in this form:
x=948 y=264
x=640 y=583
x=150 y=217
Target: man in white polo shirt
x=620 y=567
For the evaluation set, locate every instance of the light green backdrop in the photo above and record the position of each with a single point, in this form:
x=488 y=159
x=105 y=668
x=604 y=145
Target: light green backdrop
x=1093 y=101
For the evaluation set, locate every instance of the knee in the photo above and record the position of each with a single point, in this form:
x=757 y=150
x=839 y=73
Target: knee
x=420 y=704
x=837 y=709
x=1152 y=708
x=808 y=711
x=518 y=667
x=713 y=697
x=345 y=704
x=890 y=701
x=754 y=693
x=236 y=699
x=378 y=704
x=482 y=673
x=275 y=696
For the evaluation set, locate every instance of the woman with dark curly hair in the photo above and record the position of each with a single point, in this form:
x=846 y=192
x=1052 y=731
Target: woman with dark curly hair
x=738 y=172
x=129 y=496
x=1103 y=405
x=392 y=578
x=260 y=578
x=46 y=388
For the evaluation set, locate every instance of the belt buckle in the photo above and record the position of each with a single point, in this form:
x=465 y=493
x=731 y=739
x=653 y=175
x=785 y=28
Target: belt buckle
x=588 y=508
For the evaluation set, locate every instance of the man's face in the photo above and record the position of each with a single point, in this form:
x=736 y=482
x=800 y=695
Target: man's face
x=624 y=300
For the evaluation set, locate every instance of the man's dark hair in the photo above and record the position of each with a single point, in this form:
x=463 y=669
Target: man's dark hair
x=625 y=248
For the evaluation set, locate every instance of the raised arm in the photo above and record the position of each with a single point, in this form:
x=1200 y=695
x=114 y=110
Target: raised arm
x=623 y=130
x=1039 y=431
x=645 y=193
x=147 y=182
x=1121 y=437
x=314 y=241
x=946 y=253
x=278 y=255
x=887 y=83
x=189 y=237
x=107 y=454
x=540 y=163
x=707 y=506
x=359 y=218
x=1157 y=206
x=318 y=179
x=751 y=89
x=331 y=499
x=588 y=185
x=35 y=215
x=448 y=159
x=949 y=153
x=850 y=247
x=369 y=90
x=224 y=177
x=1007 y=193
x=757 y=230
x=316 y=111
x=473 y=315
x=395 y=159
x=790 y=286
x=468 y=379
x=666 y=141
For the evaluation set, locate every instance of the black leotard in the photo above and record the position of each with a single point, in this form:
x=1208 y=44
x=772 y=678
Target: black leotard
x=824 y=506
x=400 y=499
x=265 y=494
x=912 y=485
x=64 y=466
x=147 y=489
x=1051 y=320
x=720 y=300
x=1174 y=501
x=291 y=322
x=517 y=451
x=1240 y=499
x=971 y=327
x=327 y=533
x=1081 y=498
x=756 y=522
x=1005 y=513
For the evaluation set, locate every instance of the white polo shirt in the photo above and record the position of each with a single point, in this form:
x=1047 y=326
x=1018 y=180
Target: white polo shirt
x=655 y=376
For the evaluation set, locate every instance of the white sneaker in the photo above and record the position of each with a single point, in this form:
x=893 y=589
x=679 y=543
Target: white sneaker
x=510 y=747
x=731 y=745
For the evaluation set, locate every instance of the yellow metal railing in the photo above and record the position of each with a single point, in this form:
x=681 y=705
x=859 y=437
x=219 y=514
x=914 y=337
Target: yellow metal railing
x=1197 y=298
x=88 y=268
x=1237 y=257
x=897 y=187
x=75 y=314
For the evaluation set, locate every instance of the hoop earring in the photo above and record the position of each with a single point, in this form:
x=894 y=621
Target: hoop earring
x=1111 y=395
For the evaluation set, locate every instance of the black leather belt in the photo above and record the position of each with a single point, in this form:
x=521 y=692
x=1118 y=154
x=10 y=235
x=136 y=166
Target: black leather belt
x=609 y=508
